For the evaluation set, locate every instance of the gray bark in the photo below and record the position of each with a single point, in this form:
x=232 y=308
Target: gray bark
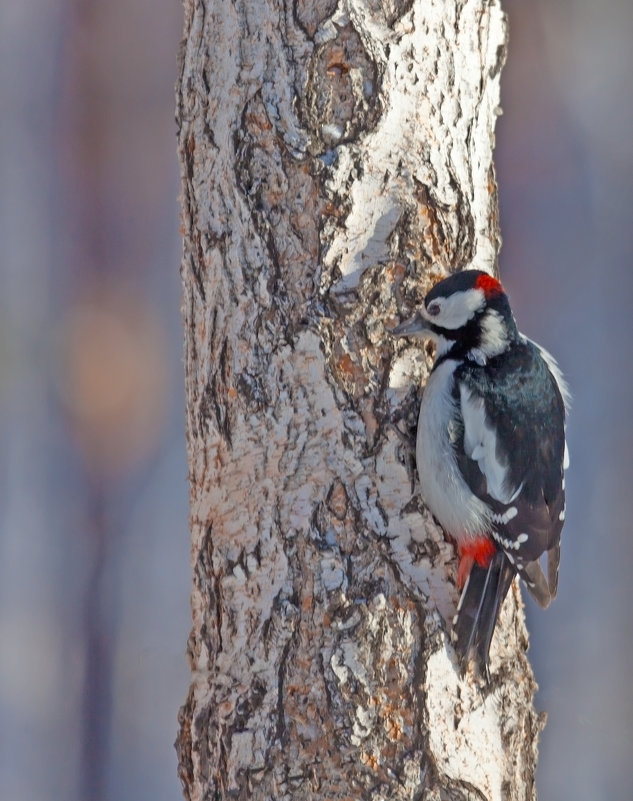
x=336 y=159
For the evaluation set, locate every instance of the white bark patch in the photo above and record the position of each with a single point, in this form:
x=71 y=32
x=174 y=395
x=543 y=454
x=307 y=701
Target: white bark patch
x=471 y=749
x=413 y=537
x=406 y=369
x=454 y=126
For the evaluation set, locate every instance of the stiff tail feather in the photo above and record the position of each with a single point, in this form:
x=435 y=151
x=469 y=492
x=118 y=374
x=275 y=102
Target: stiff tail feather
x=478 y=610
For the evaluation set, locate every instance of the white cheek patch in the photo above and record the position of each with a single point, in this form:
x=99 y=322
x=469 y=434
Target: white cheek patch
x=457 y=309
x=480 y=444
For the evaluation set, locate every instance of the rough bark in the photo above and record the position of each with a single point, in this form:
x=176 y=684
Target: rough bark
x=336 y=159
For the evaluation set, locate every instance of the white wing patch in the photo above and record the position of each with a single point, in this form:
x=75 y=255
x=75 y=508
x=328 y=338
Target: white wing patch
x=480 y=444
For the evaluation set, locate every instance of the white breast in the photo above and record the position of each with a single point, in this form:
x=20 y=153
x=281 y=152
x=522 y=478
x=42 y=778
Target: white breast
x=444 y=490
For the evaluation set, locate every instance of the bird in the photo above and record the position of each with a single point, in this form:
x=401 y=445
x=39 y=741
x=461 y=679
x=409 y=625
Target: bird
x=490 y=450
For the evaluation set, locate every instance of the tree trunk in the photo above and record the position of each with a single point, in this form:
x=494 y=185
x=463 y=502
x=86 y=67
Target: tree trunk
x=336 y=159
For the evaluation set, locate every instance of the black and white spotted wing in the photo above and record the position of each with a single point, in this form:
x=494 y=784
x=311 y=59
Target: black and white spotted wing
x=511 y=453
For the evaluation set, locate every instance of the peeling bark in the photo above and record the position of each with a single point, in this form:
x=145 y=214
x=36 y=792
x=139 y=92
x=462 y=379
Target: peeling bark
x=336 y=159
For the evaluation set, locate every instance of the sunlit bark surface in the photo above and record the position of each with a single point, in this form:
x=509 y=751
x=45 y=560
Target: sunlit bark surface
x=336 y=159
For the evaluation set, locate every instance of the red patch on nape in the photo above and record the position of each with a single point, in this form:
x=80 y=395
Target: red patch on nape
x=480 y=549
x=489 y=285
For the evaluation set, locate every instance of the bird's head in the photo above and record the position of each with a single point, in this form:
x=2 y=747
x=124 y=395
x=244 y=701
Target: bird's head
x=468 y=312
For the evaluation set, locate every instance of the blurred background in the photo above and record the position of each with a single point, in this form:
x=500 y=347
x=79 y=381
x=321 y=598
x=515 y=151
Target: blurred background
x=94 y=551
x=565 y=172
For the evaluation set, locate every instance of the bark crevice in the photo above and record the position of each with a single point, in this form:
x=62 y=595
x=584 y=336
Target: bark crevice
x=336 y=159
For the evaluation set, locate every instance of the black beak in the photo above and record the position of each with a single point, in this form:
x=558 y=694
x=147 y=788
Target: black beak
x=416 y=326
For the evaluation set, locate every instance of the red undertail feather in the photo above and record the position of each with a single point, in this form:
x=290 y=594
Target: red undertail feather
x=479 y=550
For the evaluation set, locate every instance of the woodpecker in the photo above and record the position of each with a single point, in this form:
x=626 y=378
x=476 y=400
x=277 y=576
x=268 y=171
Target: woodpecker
x=490 y=451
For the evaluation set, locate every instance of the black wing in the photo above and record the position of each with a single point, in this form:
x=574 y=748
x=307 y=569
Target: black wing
x=511 y=453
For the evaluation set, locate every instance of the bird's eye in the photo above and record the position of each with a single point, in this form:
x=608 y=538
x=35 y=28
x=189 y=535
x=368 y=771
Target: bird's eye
x=433 y=309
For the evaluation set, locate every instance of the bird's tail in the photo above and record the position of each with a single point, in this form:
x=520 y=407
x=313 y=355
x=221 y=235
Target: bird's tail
x=478 y=610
